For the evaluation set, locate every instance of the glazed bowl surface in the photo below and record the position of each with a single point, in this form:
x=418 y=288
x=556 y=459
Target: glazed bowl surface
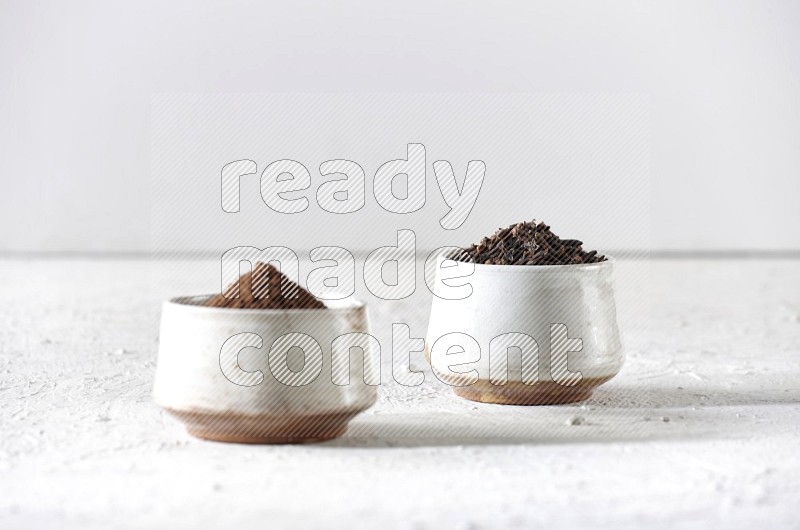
x=531 y=334
x=265 y=375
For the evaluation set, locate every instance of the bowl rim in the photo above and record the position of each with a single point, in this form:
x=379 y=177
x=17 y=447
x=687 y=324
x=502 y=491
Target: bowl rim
x=528 y=269
x=193 y=303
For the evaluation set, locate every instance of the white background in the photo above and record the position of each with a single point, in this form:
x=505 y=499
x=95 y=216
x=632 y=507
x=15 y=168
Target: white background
x=578 y=161
x=723 y=78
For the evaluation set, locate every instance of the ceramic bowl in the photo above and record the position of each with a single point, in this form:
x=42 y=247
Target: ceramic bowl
x=528 y=335
x=265 y=375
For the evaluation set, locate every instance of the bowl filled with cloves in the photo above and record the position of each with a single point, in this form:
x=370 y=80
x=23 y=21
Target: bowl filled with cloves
x=539 y=326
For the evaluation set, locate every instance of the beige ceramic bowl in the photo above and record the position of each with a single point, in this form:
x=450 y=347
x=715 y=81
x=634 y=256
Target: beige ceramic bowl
x=539 y=334
x=202 y=380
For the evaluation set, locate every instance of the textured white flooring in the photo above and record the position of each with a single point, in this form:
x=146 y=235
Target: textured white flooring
x=701 y=428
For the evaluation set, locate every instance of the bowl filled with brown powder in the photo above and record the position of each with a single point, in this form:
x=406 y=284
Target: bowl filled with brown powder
x=539 y=326
x=265 y=361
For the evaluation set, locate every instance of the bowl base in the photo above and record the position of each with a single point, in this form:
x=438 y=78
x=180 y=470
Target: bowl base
x=517 y=393
x=263 y=428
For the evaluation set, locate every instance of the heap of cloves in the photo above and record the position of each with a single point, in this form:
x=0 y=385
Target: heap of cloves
x=528 y=243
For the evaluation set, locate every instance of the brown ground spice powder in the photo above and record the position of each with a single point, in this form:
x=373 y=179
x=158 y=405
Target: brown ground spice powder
x=528 y=243
x=265 y=287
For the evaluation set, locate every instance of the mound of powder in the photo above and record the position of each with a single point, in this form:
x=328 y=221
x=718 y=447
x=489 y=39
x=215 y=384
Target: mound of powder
x=265 y=287
x=528 y=243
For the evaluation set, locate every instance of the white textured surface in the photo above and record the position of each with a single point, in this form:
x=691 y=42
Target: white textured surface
x=701 y=428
